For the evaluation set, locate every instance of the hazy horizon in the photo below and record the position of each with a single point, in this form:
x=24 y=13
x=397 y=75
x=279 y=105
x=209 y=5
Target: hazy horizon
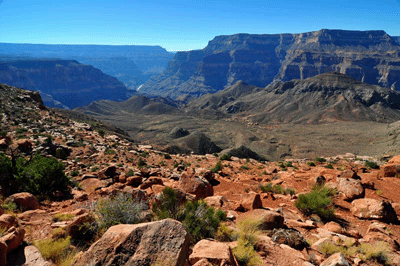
x=183 y=25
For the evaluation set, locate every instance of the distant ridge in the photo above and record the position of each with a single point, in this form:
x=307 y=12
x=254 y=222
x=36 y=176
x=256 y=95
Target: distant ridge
x=131 y=64
x=324 y=98
x=258 y=59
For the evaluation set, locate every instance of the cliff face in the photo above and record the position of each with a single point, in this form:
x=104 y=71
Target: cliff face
x=68 y=82
x=369 y=56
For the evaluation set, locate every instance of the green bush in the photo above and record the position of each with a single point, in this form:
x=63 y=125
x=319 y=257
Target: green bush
x=329 y=166
x=318 y=201
x=217 y=167
x=141 y=163
x=245 y=167
x=320 y=160
x=200 y=220
x=372 y=165
x=311 y=164
x=167 y=156
x=277 y=189
x=41 y=176
x=225 y=157
x=121 y=209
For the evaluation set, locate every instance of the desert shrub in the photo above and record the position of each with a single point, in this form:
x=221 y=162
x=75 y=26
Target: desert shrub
x=377 y=251
x=101 y=132
x=74 y=173
x=63 y=217
x=248 y=238
x=58 y=233
x=3 y=230
x=130 y=173
x=225 y=233
x=55 y=250
x=41 y=176
x=311 y=164
x=245 y=167
x=167 y=156
x=277 y=189
x=141 y=163
x=61 y=154
x=168 y=206
x=320 y=160
x=120 y=209
x=217 y=167
x=9 y=206
x=109 y=152
x=329 y=166
x=225 y=157
x=200 y=220
x=372 y=165
x=318 y=201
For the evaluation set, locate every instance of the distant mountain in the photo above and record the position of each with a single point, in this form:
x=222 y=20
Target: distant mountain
x=62 y=82
x=132 y=64
x=369 y=56
x=324 y=98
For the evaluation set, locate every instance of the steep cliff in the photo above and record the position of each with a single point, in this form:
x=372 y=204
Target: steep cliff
x=369 y=56
x=66 y=81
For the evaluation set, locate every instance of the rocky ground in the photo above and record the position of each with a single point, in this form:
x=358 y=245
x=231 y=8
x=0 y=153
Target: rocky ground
x=102 y=164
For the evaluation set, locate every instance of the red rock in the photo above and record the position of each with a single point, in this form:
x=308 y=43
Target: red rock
x=164 y=242
x=374 y=210
x=25 y=200
x=134 y=181
x=214 y=252
x=391 y=170
x=13 y=238
x=78 y=226
x=350 y=188
x=251 y=201
x=7 y=221
x=191 y=184
x=215 y=201
x=333 y=227
x=150 y=182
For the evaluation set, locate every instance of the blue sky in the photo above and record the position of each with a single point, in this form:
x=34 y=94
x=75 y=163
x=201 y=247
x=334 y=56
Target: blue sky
x=183 y=25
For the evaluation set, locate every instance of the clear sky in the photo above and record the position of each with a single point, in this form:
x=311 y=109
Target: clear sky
x=183 y=25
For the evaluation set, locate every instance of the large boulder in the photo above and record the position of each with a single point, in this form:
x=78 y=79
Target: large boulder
x=215 y=253
x=290 y=237
x=350 y=188
x=251 y=201
x=374 y=210
x=27 y=256
x=392 y=168
x=25 y=200
x=164 y=242
x=189 y=183
x=13 y=238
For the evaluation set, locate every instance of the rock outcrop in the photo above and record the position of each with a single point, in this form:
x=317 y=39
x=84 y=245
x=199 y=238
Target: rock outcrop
x=164 y=241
